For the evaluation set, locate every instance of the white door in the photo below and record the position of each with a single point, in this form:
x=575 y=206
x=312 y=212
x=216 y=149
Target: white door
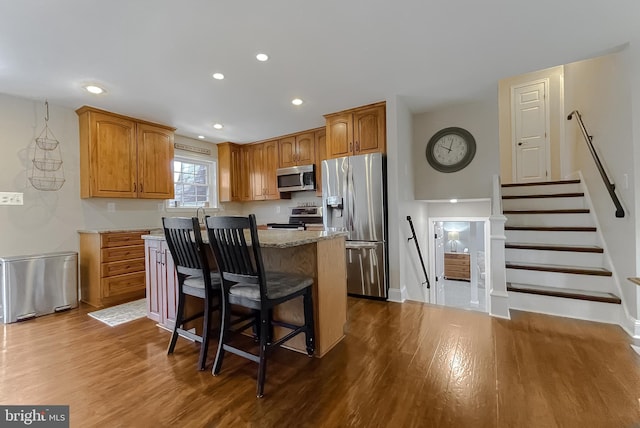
x=438 y=279
x=530 y=131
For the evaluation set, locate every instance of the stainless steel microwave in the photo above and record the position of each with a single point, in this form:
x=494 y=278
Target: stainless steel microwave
x=296 y=178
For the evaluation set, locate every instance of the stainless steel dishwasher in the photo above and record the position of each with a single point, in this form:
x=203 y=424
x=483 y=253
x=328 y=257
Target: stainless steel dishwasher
x=37 y=285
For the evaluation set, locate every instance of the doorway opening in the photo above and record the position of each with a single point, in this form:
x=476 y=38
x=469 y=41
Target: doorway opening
x=459 y=263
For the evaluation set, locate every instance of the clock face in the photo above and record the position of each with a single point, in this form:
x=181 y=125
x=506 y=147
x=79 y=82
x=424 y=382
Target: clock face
x=451 y=149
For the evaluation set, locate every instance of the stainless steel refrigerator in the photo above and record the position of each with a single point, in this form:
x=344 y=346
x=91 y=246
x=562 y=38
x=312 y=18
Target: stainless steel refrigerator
x=354 y=200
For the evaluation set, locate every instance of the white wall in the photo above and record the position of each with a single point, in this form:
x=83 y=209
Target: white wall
x=600 y=89
x=276 y=211
x=481 y=119
x=49 y=221
x=410 y=274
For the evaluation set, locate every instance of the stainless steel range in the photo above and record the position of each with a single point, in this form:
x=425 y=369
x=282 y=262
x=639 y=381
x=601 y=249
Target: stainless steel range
x=300 y=218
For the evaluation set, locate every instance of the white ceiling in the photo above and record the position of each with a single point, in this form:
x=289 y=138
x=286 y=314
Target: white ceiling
x=156 y=57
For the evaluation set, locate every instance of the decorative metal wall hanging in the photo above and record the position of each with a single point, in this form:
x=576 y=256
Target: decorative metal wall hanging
x=46 y=172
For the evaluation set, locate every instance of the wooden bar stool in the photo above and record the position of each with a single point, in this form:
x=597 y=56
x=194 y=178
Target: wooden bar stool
x=245 y=283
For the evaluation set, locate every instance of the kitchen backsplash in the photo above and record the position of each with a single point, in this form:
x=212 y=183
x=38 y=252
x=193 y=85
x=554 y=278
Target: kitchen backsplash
x=278 y=211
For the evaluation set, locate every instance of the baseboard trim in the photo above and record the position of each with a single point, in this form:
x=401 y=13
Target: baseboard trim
x=499 y=305
x=398 y=295
x=631 y=326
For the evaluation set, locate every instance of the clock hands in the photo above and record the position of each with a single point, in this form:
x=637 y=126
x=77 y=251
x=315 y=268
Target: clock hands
x=448 y=148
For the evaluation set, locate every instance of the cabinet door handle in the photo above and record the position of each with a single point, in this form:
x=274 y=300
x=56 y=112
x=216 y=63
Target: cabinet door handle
x=350 y=147
x=135 y=186
x=141 y=188
x=357 y=146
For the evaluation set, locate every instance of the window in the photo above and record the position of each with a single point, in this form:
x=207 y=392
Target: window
x=195 y=183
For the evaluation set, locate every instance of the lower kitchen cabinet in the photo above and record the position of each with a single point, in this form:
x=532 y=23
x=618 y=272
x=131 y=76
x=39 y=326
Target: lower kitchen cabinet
x=112 y=269
x=161 y=283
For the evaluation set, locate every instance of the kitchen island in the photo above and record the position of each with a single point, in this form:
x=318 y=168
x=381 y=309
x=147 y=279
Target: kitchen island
x=317 y=254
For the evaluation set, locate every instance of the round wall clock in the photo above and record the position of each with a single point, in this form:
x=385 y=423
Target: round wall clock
x=451 y=149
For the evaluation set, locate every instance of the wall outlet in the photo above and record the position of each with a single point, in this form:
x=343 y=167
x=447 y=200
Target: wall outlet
x=278 y=209
x=111 y=207
x=11 y=198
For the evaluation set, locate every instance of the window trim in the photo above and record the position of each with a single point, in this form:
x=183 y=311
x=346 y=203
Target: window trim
x=212 y=164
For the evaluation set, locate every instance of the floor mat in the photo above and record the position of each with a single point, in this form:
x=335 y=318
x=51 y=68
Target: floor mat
x=121 y=314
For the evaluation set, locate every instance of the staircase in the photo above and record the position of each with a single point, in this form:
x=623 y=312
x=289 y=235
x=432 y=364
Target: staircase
x=554 y=260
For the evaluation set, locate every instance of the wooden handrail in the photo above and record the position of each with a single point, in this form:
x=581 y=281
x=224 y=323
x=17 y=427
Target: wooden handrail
x=609 y=185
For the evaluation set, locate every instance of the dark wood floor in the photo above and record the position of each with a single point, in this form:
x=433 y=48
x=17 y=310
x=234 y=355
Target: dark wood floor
x=401 y=365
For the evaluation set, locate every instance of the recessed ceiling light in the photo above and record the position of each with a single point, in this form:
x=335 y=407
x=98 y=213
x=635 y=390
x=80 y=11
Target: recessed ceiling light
x=296 y=101
x=262 y=57
x=453 y=201
x=201 y=137
x=94 y=89
x=218 y=76
x=218 y=126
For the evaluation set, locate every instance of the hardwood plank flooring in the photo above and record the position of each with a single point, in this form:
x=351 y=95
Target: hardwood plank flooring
x=400 y=365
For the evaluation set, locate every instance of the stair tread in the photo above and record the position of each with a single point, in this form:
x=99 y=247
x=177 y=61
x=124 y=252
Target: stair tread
x=580 y=270
x=553 y=228
x=555 y=247
x=545 y=195
x=552 y=211
x=598 y=296
x=541 y=183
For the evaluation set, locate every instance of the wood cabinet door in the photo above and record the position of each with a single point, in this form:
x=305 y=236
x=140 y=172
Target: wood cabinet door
x=321 y=154
x=225 y=173
x=155 y=162
x=246 y=187
x=339 y=135
x=305 y=148
x=153 y=279
x=256 y=158
x=170 y=289
x=269 y=168
x=288 y=155
x=236 y=173
x=369 y=129
x=112 y=157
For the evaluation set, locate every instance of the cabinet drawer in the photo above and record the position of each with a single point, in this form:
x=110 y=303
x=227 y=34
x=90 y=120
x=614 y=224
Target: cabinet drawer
x=457 y=264
x=120 y=239
x=116 y=254
x=123 y=284
x=122 y=267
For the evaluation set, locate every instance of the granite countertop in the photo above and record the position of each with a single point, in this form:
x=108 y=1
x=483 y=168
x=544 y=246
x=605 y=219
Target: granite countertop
x=153 y=229
x=276 y=238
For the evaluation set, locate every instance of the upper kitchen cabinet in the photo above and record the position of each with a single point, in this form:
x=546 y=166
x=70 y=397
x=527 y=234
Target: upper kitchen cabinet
x=357 y=131
x=321 y=154
x=264 y=163
x=123 y=157
x=297 y=149
x=230 y=187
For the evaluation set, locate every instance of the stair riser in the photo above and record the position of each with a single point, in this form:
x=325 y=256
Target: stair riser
x=568 y=258
x=549 y=220
x=541 y=237
x=544 y=204
x=560 y=280
x=581 y=309
x=542 y=190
